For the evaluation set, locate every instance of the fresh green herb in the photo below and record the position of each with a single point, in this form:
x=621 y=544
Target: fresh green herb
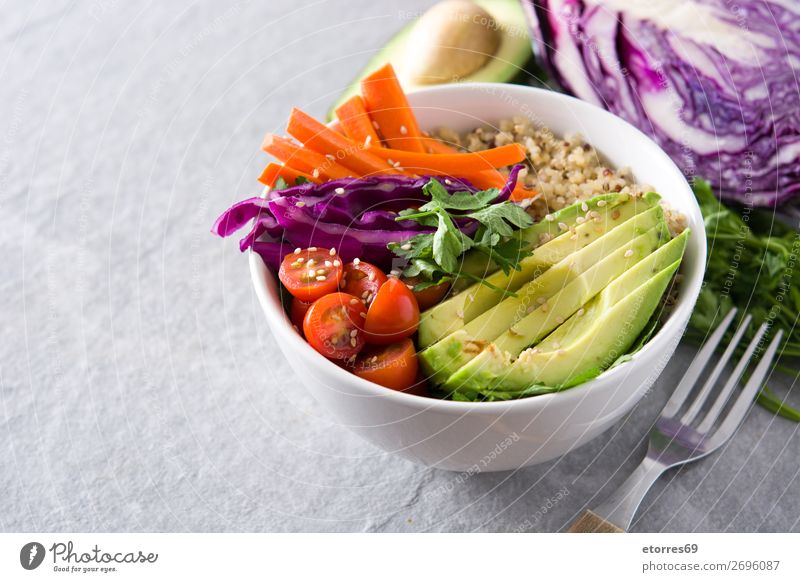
x=280 y=184
x=300 y=180
x=435 y=256
x=754 y=264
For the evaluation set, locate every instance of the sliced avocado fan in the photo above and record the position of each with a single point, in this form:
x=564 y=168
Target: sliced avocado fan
x=445 y=357
x=558 y=236
x=582 y=347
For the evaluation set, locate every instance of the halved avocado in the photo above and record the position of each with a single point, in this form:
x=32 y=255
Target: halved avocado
x=509 y=60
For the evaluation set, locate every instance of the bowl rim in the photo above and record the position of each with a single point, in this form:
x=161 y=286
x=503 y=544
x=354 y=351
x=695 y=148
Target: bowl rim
x=674 y=326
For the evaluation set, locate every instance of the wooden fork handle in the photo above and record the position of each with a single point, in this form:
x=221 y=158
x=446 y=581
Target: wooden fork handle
x=590 y=522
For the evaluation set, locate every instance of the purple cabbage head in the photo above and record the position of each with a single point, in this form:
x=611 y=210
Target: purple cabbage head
x=714 y=82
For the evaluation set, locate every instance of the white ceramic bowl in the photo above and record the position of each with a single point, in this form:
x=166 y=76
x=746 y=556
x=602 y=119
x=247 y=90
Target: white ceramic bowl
x=497 y=436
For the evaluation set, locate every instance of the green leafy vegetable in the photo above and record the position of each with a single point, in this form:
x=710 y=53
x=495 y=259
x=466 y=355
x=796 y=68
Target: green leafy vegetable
x=753 y=264
x=436 y=256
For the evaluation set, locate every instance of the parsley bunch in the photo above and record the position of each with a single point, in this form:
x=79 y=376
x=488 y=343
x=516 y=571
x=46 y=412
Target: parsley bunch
x=435 y=256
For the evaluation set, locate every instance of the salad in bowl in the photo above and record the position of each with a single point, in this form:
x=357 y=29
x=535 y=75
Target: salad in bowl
x=441 y=267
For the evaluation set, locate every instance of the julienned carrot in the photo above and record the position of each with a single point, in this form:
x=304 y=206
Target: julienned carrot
x=304 y=159
x=355 y=121
x=455 y=164
x=389 y=109
x=289 y=175
x=333 y=145
x=434 y=146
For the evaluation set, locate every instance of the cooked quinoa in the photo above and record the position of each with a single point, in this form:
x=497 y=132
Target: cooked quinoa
x=559 y=171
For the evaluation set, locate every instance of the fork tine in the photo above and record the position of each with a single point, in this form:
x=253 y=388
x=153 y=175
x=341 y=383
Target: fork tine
x=711 y=381
x=733 y=381
x=745 y=399
x=696 y=367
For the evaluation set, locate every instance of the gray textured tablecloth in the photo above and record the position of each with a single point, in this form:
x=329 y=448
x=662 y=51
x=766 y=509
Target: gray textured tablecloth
x=140 y=389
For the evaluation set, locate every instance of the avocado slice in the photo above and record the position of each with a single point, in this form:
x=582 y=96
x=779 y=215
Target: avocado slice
x=443 y=358
x=451 y=315
x=581 y=347
x=547 y=317
x=508 y=61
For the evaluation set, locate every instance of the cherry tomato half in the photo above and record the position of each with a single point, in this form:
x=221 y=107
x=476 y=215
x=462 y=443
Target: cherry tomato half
x=311 y=273
x=362 y=280
x=428 y=297
x=298 y=311
x=332 y=326
x=393 y=315
x=393 y=366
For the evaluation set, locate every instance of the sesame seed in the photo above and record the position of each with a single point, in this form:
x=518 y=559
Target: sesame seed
x=371 y=276
x=375 y=125
x=312 y=249
x=300 y=259
x=406 y=247
x=365 y=294
x=544 y=307
x=353 y=342
x=391 y=162
x=311 y=262
x=601 y=203
x=353 y=333
x=363 y=314
x=330 y=157
x=297 y=251
x=336 y=263
x=628 y=253
x=410 y=286
x=559 y=320
x=332 y=252
x=394 y=273
x=339 y=190
x=584 y=207
x=580 y=220
x=328 y=264
x=581 y=311
x=397 y=165
x=315 y=173
x=562 y=226
x=447 y=181
x=312 y=273
x=369 y=298
x=354 y=301
x=321 y=277
x=541 y=300
x=356 y=261
x=374 y=359
x=403 y=130
x=321 y=271
x=549 y=217
x=367 y=140
x=300 y=204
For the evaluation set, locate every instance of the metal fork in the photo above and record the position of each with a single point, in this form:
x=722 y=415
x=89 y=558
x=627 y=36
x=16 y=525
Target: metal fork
x=676 y=438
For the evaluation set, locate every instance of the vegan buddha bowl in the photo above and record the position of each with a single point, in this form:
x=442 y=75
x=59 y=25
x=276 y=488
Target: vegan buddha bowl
x=472 y=263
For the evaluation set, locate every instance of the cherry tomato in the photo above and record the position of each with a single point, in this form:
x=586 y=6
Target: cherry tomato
x=362 y=280
x=332 y=323
x=393 y=315
x=393 y=366
x=428 y=297
x=298 y=311
x=311 y=273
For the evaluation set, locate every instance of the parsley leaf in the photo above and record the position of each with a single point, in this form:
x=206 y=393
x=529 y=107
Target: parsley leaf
x=435 y=256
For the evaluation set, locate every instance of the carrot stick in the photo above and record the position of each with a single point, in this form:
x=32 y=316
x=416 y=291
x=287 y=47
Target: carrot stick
x=456 y=164
x=389 y=109
x=304 y=159
x=324 y=140
x=274 y=171
x=434 y=146
x=355 y=121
